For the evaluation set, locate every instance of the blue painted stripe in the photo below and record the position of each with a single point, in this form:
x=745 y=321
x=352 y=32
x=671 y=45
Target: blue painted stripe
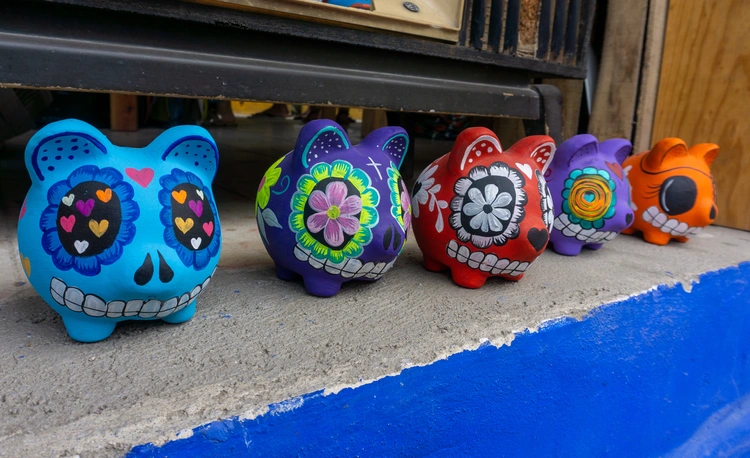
x=663 y=372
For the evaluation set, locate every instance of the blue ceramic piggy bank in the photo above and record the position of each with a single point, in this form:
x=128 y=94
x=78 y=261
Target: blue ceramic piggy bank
x=108 y=233
x=330 y=211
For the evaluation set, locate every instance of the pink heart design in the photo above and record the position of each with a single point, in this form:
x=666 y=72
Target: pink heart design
x=208 y=228
x=85 y=207
x=68 y=222
x=23 y=210
x=197 y=207
x=143 y=177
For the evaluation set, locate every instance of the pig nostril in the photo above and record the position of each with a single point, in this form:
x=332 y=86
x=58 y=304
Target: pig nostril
x=628 y=218
x=166 y=274
x=145 y=272
x=712 y=215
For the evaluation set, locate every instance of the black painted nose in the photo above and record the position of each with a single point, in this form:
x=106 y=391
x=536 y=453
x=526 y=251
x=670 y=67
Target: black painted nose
x=628 y=218
x=712 y=215
x=144 y=273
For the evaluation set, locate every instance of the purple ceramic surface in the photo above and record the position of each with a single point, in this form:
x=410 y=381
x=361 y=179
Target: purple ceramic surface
x=330 y=211
x=590 y=192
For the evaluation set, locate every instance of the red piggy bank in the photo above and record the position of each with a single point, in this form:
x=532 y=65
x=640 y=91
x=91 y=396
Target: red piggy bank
x=483 y=212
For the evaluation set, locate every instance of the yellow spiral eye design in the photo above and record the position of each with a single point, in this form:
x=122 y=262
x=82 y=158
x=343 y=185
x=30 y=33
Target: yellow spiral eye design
x=588 y=197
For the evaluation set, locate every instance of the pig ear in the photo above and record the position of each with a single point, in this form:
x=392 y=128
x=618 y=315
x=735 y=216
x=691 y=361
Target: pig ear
x=316 y=141
x=536 y=150
x=63 y=146
x=617 y=148
x=576 y=146
x=392 y=141
x=473 y=144
x=668 y=148
x=189 y=148
x=708 y=151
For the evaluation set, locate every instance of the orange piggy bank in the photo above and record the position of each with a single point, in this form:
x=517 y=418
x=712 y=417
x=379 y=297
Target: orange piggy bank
x=673 y=192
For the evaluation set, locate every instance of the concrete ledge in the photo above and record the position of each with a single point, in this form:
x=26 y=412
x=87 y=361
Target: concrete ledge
x=257 y=341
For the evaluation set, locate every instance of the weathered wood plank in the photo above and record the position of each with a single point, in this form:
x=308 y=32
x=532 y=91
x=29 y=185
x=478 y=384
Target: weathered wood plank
x=123 y=112
x=704 y=93
x=617 y=89
x=650 y=68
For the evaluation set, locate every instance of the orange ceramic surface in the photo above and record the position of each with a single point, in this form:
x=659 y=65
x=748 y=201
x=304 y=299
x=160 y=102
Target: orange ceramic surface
x=673 y=192
x=481 y=211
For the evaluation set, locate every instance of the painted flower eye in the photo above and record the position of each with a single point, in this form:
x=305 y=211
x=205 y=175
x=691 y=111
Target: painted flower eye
x=588 y=197
x=88 y=219
x=488 y=205
x=194 y=224
x=191 y=225
x=677 y=195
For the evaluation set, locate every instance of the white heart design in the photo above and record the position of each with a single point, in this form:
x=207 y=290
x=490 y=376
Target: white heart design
x=81 y=246
x=68 y=200
x=200 y=193
x=196 y=242
x=525 y=168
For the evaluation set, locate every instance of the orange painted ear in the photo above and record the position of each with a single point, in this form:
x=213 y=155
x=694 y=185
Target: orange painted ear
x=472 y=145
x=664 y=150
x=708 y=151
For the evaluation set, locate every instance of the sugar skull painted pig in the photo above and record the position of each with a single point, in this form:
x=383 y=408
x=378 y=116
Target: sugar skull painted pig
x=108 y=233
x=481 y=211
x=331 y=212
x=591 y=193
x=674 y=196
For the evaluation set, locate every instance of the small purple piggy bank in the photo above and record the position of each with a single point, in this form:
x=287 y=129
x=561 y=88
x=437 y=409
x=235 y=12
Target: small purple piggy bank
x=331 y=212
x=590 y=192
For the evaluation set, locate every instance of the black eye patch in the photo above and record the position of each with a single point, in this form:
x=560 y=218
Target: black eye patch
x=192 y=218
x=677 y=195
x=88 y=219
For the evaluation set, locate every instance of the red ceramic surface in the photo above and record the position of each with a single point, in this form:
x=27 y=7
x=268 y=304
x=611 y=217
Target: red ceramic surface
x=481 y=211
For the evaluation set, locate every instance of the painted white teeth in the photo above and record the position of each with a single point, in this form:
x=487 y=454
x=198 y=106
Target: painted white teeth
x=669 y=225
x=488 y=263
x=115 y=308
x=485 y=262
x=568 y=229
x=133 y=307
x=150 y=309
x=74 y=299
x=350 y=268
x=475 y=259
x=92 y=305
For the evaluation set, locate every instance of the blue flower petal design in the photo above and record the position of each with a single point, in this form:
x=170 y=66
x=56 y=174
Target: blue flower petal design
x=80 y=175
x=88 y=265
x=51 y=242
x=48 y=220
x=57 y=191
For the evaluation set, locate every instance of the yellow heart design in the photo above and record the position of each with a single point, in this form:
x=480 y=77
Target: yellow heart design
x=184 y=224
x=179 y=196
x=99 y=228
x=105 y=195
x=26 y=262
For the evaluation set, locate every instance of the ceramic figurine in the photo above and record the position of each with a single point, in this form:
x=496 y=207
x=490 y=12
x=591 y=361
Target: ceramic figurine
x=591 y=193
x=108 y=233
x=674 y=196
x=481 y=211
x=330 y=211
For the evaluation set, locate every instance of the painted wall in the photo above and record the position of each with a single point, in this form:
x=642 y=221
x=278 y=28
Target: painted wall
x=663 y=373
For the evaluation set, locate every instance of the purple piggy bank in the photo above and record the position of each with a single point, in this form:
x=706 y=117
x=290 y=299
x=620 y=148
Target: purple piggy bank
x=590 y=192
x=331 y=212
